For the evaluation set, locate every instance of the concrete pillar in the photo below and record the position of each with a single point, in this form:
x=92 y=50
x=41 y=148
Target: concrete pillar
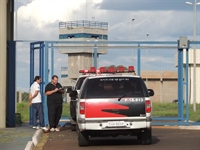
x=3 y=64
x=20 y=96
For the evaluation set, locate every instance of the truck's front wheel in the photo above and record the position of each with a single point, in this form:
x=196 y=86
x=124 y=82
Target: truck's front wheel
x=83 y=138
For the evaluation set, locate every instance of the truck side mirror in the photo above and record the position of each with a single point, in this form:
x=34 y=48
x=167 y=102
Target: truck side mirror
x=151 y=92
x=73 y=94
x=69 y=90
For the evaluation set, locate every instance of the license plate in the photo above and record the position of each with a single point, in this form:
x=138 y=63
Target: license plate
x=115 y=123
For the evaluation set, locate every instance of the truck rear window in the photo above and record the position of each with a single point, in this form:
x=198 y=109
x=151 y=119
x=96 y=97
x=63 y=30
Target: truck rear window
x=114 y=87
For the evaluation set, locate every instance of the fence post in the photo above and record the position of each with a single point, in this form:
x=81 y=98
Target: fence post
x=182 y=44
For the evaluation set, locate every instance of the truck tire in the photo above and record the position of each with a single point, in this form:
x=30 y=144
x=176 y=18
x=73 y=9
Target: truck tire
x=77 y=130
x=73 y=127
x=83 y=138
x=145 y=137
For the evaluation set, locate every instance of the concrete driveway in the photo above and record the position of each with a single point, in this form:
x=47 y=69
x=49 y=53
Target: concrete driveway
x=163 y=139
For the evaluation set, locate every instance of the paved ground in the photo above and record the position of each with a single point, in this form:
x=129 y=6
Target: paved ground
x=164 y=139
x=15 y=138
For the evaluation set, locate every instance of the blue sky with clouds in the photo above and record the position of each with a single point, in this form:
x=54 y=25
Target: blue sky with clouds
x=164 y=20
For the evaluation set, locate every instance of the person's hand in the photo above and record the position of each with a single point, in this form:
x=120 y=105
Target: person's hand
x=30 y=103
x=30 y=97
x=56 y=89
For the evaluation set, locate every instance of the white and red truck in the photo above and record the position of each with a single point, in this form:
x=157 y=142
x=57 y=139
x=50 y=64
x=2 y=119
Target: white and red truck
x=113 y=104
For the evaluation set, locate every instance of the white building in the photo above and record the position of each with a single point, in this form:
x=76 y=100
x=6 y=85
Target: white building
x=191 y=73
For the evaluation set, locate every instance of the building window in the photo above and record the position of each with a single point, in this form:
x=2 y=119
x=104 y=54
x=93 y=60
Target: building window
x=83 y=35
x=64 y=75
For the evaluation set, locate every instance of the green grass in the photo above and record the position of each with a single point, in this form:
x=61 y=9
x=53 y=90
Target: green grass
x=23 y=109
x=164 y=109
x=194 y=116
x=66 y=108
x=159 y=109
x=171 y=109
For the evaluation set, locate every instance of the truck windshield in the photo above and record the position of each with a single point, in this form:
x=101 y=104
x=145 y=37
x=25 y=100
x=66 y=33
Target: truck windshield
x=114 y=87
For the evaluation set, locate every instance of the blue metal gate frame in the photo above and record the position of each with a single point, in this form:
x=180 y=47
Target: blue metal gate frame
x=44 y=65
x=43 y=48
x=11 y=84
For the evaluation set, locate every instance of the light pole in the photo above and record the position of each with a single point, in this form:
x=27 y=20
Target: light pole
x=133 y=39
x=132 y=27
x=146 y=63
x=194 y=52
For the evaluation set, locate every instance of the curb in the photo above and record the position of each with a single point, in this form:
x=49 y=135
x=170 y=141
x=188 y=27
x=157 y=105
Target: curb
x=29 y=145
x=177 y=127
x=190 y=127
x=35 y=139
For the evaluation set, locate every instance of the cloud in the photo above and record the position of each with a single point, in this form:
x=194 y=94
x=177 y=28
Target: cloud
x=47 y=11
x=147 y=5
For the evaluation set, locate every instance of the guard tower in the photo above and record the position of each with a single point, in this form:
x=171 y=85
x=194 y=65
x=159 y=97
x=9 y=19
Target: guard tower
x=83 y=56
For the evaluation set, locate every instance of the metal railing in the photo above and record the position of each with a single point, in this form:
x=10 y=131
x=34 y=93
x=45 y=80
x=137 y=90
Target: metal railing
x=83 y=23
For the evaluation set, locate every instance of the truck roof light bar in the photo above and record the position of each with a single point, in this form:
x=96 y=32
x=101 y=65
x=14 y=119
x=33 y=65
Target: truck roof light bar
x=111 y=70
x=102 y=70
x=92 y=70
x=120 y=69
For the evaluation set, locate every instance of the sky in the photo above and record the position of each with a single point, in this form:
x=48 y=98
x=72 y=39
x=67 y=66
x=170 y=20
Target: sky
x=163 y=20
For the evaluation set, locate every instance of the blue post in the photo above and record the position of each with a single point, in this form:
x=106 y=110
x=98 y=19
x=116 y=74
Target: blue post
x=10 y=91
x=41 y=66
x=46 y=81
x=95 y=55
x=42 y=69
x=52 y=61
x=138 y=60
x=31 y=76
x=180 y=84
x=187 y=94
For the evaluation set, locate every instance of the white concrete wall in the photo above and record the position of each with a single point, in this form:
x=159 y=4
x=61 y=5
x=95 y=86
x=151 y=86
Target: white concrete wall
x=191 y=73
x=191 y=52
x=164 y=84
x=78 y=62
x=3 y=64
x=67 y=82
